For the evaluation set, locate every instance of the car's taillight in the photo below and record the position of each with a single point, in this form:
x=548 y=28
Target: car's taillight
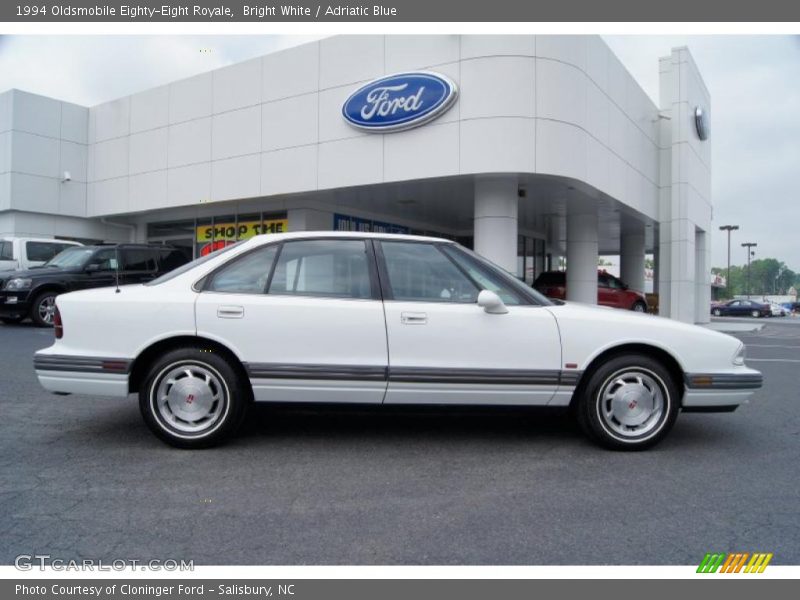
x=58 y=326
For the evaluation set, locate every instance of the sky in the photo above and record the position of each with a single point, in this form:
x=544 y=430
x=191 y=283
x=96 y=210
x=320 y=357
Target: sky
x=754 y=83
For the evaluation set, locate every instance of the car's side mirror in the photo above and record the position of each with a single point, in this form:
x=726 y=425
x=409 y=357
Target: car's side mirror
x=491 y=303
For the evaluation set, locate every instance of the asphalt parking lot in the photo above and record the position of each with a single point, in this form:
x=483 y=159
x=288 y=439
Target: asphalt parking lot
x=83 y=478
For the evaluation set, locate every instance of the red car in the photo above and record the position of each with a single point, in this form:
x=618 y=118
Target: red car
x=610 y=290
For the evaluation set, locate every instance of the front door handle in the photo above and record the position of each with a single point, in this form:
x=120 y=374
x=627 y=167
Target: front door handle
x=413 y=318
x=230 y=312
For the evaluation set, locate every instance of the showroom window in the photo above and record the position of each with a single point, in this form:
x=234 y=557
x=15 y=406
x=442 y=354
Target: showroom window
x=328 y=268
x=246 y=275
x=421 y=273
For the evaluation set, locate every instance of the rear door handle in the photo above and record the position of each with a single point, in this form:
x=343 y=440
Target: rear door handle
x=413 y=318
x=230 y=312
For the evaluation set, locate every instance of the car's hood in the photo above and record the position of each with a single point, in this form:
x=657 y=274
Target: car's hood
x=36 y=272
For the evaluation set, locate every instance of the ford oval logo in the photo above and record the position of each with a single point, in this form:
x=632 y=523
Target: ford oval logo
x=399 y=101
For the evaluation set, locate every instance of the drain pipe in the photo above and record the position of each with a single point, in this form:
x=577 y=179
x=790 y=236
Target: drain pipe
x=130 y=227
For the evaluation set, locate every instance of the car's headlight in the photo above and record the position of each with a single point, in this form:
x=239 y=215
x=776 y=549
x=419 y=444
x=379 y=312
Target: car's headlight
x=738 y=358
x=19 y=283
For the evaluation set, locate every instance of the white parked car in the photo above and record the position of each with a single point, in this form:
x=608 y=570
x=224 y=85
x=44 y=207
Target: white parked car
x=20 y=253
x=373 y=318
x=777 y=310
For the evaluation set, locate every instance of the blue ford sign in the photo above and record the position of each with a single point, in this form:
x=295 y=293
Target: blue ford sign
x=399 y=101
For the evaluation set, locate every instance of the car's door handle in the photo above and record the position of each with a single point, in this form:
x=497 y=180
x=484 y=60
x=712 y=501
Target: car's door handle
x=230 y=312
x=413 y=318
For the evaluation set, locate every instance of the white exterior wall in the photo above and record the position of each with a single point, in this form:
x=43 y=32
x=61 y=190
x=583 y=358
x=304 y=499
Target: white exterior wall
x=560 y=105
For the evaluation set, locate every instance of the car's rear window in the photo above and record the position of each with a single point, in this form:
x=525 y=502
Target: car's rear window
x=550 y=278
x=191 y=265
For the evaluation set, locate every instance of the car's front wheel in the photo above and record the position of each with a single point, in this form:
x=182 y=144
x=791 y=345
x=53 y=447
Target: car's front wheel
x=639 y=307
x=43 y=309
x=756 y=314
x=716 y=312
x=630 y=402
x=193 y=398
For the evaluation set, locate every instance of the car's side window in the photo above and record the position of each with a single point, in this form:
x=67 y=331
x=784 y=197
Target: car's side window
x=245 y=275
x=420 y=272
x=41 y=251
x=482 y=277
x=138 y=259
x=324 y=268
x=6 y=251
x=106 y=260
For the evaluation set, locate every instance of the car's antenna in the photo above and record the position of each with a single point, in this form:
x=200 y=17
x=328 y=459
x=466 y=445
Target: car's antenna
x=116 y=267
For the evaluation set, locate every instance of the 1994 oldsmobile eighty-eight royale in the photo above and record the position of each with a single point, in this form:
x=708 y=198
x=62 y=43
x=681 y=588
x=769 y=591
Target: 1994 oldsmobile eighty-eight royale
x=378 y=319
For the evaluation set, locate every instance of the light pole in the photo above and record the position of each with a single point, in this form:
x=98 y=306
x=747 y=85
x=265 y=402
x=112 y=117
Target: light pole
x=749 y=246
x=729 y=228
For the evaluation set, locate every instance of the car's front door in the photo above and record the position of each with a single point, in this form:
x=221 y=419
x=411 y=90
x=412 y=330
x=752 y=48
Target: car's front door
x=606 y=294
x=99 y=271
x=306 y=319
x=444 y=348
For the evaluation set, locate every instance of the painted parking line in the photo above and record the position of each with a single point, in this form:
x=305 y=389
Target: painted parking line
x=784 y=360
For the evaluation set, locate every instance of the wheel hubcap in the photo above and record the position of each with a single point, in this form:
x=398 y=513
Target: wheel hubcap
x=190 y=398
x=638 y=308
x=46 y=309
x=631 y=402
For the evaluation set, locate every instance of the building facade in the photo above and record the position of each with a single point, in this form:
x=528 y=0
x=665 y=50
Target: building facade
x=551 y=151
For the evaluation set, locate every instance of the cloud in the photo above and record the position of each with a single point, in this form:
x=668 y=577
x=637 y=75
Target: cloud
x=91 y=69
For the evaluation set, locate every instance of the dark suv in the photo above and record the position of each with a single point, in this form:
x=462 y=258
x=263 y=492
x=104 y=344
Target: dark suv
x=610 y=290
x=32 y=293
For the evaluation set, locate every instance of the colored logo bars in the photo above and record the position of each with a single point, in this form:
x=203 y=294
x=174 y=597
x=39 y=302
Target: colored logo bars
x=735 y=562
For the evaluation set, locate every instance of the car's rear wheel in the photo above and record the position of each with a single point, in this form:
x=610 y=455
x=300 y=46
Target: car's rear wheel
x=756 y=314
x=639 y=307
x=43 y=309
x=193 y=398
x=630 y=402
x=716 y=312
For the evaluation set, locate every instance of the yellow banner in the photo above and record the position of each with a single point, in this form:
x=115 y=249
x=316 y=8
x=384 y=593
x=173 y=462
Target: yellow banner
x=242 y=231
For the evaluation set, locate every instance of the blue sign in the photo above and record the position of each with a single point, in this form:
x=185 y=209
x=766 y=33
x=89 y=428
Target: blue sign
x=399 y=101
x=349 y=223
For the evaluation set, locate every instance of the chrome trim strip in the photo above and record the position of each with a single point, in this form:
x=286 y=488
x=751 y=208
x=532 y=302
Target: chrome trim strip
x=725 y=381
x=81 y=364
x=334 y=372
x=477 y=376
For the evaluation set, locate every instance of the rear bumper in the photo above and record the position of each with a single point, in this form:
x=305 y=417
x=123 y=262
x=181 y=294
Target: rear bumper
x=722 y=392
x=93 y=376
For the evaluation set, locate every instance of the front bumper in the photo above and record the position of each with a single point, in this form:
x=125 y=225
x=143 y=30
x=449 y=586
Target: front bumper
x=93 y=376
x=14 y=304
x=720 y=392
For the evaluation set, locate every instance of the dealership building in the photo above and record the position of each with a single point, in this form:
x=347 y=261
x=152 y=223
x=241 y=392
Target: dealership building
x=542 y=151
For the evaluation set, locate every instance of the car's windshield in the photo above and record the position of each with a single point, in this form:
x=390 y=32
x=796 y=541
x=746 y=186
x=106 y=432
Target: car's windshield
x=71 y=257
x=191 y=265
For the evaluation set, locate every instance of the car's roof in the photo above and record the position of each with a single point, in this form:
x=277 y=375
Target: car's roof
x=291 y=235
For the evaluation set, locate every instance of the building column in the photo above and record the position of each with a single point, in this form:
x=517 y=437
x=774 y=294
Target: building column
x=702 y=275
x=631 y=255
x=582 y=255
x=495 y=225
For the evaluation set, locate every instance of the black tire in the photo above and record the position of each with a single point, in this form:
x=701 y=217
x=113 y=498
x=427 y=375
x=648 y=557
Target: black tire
x=756 y=314
x=38 y=309
x=232 y=390
x=592 y=410
x=639 y=307
x=12 y=320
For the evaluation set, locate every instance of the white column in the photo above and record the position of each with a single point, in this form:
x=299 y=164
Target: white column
x=631 y=255
x=702 y=278
x=496 y=208
x=582 y=254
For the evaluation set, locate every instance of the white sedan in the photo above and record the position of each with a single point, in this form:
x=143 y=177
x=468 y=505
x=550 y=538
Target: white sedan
x=378 y=319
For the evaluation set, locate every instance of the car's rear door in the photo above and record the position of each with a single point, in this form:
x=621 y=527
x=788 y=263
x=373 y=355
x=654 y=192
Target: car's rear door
x=305 y=317
x=445 y=349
